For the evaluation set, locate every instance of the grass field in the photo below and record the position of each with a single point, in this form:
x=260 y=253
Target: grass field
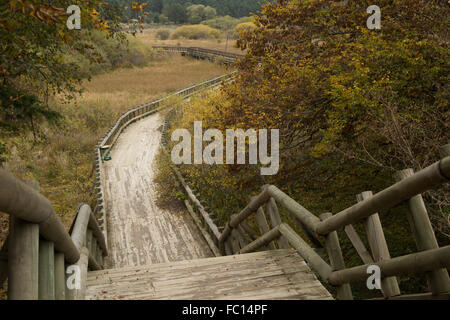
x=61 y=159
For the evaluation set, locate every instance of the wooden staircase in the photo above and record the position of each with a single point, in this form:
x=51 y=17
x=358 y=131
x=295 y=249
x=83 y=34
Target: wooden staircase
x=275 y=274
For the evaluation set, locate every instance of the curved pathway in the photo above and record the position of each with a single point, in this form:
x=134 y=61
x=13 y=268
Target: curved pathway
x=140 y=232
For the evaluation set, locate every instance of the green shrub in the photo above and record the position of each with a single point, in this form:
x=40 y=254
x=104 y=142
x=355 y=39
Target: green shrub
x=163 y=34
x=197 y=31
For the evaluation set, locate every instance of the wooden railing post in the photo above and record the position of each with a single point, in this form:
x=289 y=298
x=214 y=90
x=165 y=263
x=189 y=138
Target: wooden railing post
x=379 y=247
x=424 y=236
x=275 y=220
x=46 y=270
x=344 y=291
x=23 y=257
x=60 y=277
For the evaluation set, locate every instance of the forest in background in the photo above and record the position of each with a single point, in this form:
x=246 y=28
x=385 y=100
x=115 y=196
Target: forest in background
x=353 y=106
x=176 y=10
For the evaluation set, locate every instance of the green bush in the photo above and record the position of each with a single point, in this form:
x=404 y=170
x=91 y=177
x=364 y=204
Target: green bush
x=197 y=31
x=163 y=34
x=108 y=54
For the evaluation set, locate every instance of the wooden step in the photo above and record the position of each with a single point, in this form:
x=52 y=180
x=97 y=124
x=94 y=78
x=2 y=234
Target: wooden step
x=275 y=274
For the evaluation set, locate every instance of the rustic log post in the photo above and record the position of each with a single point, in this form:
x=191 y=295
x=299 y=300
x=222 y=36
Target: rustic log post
x=80 y=293
x=23 y=260
x=275 y=220
x=378 y=246
x=424 y=235
x=60 y=277
x=46 y=270
x=344 y=291
x=263 y=225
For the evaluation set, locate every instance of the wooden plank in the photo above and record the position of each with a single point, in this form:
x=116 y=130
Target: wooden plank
x=155 y=234
x=378 y=246
x=358 y=244
x=278 y=274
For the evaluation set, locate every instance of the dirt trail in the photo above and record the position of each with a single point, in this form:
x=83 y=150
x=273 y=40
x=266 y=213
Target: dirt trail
x=140 y=232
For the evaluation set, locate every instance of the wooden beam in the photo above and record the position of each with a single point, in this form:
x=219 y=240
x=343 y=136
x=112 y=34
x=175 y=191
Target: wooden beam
x=306 y=252
x=205 y=234
x=424 y=235
x=46 y=270
x=22 y=201
x=275 y=220
x=23 y=260
x=344 y=292
x=378 y=246
x=405 y=265
x=358 y=244
x=422 y=181
x=60 y=277
x=262 y=241
x=307 y=218
x=263 y=225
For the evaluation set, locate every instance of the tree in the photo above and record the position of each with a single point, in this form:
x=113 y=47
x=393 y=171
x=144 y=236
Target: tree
x=176 y=13
x=34 y=37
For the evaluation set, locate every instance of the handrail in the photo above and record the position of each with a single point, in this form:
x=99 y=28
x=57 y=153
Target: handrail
x=22 y=201
x=418 y=183
x=38 y=245
x=432 y=259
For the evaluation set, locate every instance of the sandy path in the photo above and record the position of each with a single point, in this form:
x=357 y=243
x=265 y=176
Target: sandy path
x=139 y=232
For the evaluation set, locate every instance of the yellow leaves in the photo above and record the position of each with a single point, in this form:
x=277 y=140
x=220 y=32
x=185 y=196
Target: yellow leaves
x=94 y=13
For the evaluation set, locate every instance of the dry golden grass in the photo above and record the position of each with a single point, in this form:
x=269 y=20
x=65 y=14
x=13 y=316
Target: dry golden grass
x=62 y=160
x=149 y=38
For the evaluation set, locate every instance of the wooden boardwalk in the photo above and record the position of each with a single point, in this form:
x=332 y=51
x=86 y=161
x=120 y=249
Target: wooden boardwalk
x=140 y=232
x=276 y=274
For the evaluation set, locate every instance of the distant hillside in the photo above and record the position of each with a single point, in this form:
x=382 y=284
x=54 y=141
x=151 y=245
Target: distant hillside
x=234 y=8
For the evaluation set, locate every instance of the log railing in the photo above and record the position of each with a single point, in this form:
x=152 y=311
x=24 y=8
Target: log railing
x=201 y=53
x=38 y=248
x=431 y=260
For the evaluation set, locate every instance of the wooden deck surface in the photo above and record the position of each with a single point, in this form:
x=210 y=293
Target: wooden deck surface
x=275 y=274
x=140 y=232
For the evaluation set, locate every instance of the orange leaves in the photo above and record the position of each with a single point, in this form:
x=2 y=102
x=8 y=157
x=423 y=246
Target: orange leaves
x=49 y=15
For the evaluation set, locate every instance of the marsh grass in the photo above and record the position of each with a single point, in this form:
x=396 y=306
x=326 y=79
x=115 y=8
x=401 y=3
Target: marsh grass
x=61 y=160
